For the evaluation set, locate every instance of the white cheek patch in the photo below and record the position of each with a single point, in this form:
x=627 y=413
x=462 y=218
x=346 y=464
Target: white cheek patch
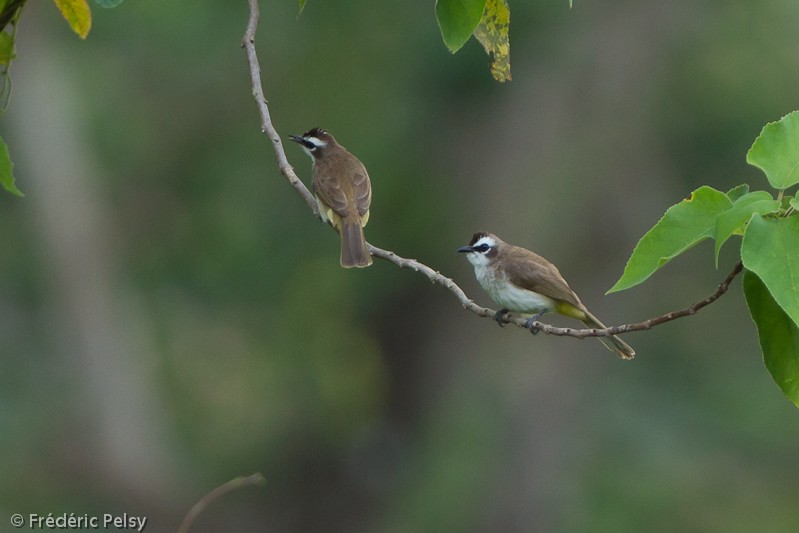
x=486 y=240
x=316 y=141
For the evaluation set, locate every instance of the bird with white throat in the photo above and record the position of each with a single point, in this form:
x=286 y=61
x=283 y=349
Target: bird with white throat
x=524 y=282
x=343 y=192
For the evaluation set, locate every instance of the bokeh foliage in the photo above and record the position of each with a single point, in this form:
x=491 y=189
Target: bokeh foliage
x=370 y=400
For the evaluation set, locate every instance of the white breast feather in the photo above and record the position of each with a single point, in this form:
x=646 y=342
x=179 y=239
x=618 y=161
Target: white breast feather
x=510 y=296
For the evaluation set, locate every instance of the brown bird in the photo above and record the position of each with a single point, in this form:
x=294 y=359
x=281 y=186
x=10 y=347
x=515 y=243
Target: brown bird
x=343 y=192
x=522 y=281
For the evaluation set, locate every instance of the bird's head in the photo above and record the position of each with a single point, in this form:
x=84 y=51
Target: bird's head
x=314 y=141
x=482 y=249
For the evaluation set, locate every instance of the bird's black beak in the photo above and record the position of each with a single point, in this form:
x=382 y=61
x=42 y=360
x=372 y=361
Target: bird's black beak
x=465 y=249
x=300 y=140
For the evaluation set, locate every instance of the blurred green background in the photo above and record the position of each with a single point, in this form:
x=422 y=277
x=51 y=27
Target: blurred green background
x=171 y=316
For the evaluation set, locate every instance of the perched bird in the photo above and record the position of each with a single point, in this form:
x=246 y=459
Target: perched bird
x=343 y=192
x=524 y=282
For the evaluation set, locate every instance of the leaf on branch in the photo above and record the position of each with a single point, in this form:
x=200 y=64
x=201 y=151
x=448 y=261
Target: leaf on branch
x=683 y=226
x=6 y=168
x=795 y=203
x=738 y=191
x=776 y=151
x=778 y=334
x=78 y=14
x=771 y=250
x=6 y=48
x=457 y=20
x=108 y=3
x=733 y=221
x=492 y=33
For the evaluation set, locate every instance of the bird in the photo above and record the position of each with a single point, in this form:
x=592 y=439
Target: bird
x=524 y=282
x=343 y=192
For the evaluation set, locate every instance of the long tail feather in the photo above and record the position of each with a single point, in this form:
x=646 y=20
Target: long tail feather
x=612 y=343
x=353 y=245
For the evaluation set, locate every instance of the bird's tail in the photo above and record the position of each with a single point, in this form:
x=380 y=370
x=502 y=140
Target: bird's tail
x=612 y=343
x=353 y=245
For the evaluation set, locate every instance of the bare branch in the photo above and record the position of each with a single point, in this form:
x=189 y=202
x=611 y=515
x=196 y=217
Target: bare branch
x=646 y=324
x=434 y=276
x=218 y=492
x=248 y=43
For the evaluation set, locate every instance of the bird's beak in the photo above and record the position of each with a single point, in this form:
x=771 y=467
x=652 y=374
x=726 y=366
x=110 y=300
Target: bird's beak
x=302 y=141
x=465 y=249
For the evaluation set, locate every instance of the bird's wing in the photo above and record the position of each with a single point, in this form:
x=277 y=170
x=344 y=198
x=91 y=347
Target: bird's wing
x=362 y=189
x=350 y=190
x=531 y=271
x=329 y=190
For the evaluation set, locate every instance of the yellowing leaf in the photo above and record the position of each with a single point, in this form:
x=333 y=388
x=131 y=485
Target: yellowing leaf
x=77 y=14
x=492 y=33
x=6 y=48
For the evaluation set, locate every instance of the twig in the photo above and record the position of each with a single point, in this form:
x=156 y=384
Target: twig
x=434 y=276
x=248 y=43
x=646 y=324
x=221 y=490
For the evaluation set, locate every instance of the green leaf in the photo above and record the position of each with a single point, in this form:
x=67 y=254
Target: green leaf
x=683 y=226
x=492 y=33
x=302 y=6
x=6 y=168
x=457 y=20
x=738 y=191
x=778 y=334
x=776 y=151
x=78 y=14
x=733 y=221
x=6 y=48
x=795 y=203
x=771 y=250
x=108 y=3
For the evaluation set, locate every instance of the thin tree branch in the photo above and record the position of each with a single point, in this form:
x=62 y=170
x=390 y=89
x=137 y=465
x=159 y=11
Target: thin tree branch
x=433 y=275
x=646 y=324
x=218 y=492
x=248 y=43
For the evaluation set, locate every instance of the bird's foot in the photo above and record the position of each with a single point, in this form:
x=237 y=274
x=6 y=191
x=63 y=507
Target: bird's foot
x=500 y=317
x=529 y=323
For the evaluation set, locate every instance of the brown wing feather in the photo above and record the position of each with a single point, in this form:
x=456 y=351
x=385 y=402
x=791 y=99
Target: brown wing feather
x=343 y=195
x=531 y=271
x=362 y=189
x=330 y=192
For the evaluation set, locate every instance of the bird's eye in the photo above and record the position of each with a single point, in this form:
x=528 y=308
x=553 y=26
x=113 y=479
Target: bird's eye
x=483 y=248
